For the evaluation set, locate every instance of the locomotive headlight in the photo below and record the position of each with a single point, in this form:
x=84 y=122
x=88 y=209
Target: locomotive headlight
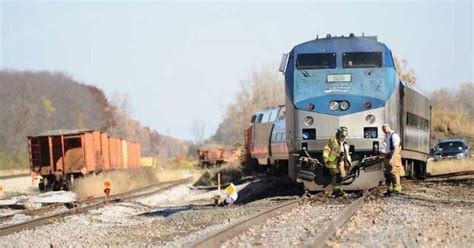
x=333 y=105
x=344 y=105
x=308 y=121
x=370 y=119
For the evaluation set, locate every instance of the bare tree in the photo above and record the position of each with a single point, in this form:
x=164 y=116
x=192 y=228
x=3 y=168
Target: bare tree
x=198 y=129
x=122 y=102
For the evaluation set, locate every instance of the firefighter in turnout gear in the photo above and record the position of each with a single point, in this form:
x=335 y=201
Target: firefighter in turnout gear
x=337 y=159
x=393 y=168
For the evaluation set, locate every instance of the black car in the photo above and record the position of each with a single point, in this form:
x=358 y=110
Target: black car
x=451 y=149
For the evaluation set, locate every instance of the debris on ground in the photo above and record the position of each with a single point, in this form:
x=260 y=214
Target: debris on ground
x=269 y=187
x=229 y=174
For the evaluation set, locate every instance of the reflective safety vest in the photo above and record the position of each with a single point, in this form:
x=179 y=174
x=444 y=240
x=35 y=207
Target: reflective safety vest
x=331 y=150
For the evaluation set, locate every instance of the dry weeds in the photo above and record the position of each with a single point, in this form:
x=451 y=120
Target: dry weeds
x=121 y=181
x=435 y=168
x=446 y=123
x=127 y=180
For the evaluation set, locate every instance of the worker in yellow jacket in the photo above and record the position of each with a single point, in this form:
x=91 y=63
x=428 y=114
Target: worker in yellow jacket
x=337 y=159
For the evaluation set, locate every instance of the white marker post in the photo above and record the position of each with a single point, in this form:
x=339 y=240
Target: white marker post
x=219 y=183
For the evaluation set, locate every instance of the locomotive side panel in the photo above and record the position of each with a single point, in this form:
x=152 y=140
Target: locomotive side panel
x=290 y=134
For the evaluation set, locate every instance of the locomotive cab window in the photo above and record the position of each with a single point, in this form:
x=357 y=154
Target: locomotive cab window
x=316 y=61
x=362 y=60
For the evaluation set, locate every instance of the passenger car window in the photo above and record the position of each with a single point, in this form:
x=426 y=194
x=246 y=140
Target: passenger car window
x=254 y=117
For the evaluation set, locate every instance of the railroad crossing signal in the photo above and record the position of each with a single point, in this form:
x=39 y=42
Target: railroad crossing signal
x=107 y=186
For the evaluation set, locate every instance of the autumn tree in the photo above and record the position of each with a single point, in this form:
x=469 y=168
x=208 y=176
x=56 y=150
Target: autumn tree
x=453 y=113
x=35 y=102
x=404 y=72
x=264 y=89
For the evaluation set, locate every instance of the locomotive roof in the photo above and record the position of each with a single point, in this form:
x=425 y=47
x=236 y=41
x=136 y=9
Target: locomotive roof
x=341 y=44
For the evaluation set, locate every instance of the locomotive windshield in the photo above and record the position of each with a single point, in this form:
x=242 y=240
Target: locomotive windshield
x=362 y=60
x=356 y=70
x=316 y=61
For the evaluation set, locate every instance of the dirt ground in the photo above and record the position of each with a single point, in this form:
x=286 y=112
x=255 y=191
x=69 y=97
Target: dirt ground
x=18 y=185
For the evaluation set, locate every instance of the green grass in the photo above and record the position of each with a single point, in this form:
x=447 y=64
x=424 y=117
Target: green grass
x=13 y=160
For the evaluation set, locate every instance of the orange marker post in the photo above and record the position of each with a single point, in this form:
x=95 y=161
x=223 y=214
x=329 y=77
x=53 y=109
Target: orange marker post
x=107 y=189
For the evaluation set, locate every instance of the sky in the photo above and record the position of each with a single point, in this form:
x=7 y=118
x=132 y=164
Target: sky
x=182 y=62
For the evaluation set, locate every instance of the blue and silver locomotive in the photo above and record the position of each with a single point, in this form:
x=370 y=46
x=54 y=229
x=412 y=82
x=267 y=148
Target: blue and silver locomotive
x=352 y=82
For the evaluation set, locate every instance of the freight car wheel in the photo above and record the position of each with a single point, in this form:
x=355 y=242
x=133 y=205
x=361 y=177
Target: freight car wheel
x=41 y=185
x=420 y=170
x=66 y=185
x=56 y=186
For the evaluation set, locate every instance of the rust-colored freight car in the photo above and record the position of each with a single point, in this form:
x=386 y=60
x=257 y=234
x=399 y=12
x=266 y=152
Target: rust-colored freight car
x=62 y=155
x=210 y=156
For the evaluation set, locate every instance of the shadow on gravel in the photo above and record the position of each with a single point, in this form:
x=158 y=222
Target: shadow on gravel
x=269 y=187
x=166 y=211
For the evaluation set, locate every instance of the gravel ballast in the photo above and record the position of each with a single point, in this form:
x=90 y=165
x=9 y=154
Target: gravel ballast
x=428 y=214
x=290 y=229
x=170 y=218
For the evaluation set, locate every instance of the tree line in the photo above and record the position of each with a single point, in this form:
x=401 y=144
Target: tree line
x=35 y=102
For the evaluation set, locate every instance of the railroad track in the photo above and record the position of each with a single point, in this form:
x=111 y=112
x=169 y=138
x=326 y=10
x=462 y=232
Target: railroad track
x=337 y=223
x=89 y=205
x=52 y=206
x=218 y=237
x=15 y=176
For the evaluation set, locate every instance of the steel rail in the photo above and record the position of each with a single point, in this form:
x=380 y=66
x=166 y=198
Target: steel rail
x=52 y=206
x=116 y=198
x=336 y=224
x=218 y=237
x=15 y=176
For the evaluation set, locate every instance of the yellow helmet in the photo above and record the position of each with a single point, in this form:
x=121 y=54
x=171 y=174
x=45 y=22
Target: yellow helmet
x=342 y=131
